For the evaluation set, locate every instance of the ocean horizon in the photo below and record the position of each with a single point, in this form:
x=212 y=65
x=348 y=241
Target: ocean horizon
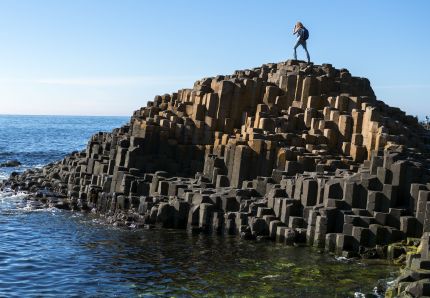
x=62 y=115
x=51 y=252
x=36 y=140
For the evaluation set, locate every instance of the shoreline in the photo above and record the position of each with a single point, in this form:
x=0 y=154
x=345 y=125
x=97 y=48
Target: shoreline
x=128 y=217
x=293 y=152
x=103 y=221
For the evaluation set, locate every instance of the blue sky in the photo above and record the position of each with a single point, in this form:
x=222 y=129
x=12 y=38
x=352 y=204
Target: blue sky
x=109 y=57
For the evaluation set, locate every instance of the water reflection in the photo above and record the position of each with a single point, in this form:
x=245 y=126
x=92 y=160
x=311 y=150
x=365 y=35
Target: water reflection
x=57 y=253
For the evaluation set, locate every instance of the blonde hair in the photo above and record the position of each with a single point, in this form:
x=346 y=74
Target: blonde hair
x=299 y=25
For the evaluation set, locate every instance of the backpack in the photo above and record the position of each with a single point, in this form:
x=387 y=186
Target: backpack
x=304 y=34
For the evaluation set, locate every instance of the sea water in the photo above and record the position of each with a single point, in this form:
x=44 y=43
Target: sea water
x=54 y=253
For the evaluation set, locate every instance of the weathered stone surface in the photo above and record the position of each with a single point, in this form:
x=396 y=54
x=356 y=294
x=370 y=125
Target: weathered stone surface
x=289 y=151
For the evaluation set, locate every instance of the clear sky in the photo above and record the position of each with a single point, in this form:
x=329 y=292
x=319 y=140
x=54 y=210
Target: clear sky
x=104 y=57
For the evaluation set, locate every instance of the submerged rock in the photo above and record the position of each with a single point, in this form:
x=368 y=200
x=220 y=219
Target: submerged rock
x=10 y=164
x=288 y=151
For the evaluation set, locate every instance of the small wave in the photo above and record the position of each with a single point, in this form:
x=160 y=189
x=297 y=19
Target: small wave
x=32 y=209
x=10 y=201
x=18 y=202
x=12 y=195
x=6 y=154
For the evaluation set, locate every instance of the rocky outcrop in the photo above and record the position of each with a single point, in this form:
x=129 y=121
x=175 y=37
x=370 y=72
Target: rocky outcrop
x=293 y=152
x=10 y=164
x=414 y=280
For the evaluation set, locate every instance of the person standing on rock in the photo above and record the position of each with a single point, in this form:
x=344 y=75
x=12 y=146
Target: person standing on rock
x=302 y=37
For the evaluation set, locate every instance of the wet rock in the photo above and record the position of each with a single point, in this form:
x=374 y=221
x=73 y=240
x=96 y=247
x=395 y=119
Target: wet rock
x=166 y=215
x=419 y=288
x=10 y=164
x=259 y=227
x=289 y=151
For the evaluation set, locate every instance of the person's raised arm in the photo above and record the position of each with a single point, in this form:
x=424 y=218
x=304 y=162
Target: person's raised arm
x=294 y=30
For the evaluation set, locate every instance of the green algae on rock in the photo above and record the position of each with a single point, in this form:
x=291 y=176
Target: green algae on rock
x=291 y=152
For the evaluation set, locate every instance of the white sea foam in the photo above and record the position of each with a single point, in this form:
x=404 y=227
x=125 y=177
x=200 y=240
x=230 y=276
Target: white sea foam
x=11 y=201
x=12 y=195
x=32 y=209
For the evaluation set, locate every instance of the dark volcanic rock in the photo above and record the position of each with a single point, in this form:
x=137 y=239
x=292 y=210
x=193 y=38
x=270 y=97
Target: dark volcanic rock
x=291 y=151
x=10 y=163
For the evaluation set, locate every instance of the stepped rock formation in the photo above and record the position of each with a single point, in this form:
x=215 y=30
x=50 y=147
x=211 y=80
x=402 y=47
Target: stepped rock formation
x=291 y=151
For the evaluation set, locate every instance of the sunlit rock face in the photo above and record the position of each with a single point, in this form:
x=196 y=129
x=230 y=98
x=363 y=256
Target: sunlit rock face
x=293 y=152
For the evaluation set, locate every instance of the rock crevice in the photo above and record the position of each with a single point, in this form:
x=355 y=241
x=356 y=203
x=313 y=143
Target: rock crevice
x=294 y=152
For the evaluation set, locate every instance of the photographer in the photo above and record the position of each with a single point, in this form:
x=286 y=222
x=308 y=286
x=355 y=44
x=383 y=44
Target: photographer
x=302 y=37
